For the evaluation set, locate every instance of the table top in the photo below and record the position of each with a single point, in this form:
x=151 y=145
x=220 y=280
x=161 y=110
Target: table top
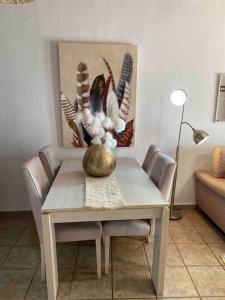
x=68 y=189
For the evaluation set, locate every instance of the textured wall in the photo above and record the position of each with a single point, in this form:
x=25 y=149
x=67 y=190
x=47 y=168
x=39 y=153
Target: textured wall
x=181 y=44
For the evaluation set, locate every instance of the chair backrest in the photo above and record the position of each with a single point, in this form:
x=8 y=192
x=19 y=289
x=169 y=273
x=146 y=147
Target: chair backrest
x=150 y=158
x=162 y=174
x=38 y=185
x=50 y=162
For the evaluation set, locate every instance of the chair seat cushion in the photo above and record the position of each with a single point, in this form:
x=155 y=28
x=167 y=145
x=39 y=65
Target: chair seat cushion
x=127 y=227
x=82 y=231
x=215 y=184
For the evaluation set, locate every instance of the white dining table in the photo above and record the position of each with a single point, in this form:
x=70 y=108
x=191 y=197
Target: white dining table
x=65 y=202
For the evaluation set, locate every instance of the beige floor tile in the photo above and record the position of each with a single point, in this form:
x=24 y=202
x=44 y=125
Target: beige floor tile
x=86 y=285
x=4 y=251
x=210 y=233
x=195 y=217
x=87 y=256
x=22 y=257
x=38 y=289
x=32 y=223
x=196 y=254
x=14 y=283
x=177 y=298
x=209 y=280
x=213 y=298
x=132 y=283
x=66 y=255
x=218 y=250
x=178 y=283
x=172 y=256
x=9 y=236
x=184 y=221
x=29 y=237
x=129 y=255
x=15 y=221
x=185 y=234
x=170 y=240
x=126 y=239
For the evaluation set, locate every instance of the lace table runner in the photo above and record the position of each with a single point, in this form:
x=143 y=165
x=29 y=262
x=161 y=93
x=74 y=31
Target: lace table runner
x=103 y=192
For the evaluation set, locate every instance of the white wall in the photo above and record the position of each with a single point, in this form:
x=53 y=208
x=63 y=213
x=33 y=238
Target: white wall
x=181 y=45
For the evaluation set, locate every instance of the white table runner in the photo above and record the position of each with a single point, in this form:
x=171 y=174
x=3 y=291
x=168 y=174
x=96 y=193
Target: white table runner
x=103 y=192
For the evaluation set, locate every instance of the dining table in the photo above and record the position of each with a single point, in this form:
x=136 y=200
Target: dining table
x=65 y=202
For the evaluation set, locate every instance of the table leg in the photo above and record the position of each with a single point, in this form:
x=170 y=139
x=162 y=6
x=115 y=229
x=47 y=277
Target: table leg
x=50 y=256
x=159 y=254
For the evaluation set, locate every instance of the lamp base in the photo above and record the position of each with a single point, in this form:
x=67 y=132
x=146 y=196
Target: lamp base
x=176 y=214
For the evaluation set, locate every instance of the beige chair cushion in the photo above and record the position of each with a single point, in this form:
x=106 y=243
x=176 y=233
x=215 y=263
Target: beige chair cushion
x=67 y=232
x=150 y=158
x=50 y=162
x=127 y=228
x=218 y=162
x=162 y=174
x=215 y=184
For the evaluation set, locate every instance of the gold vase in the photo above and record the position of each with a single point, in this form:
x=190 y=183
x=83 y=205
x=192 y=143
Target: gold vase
x=99 y=161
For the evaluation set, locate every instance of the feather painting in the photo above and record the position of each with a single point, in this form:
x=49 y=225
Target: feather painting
x=125 y=104
x=125 y=76
x=98 y=84
x=83 y=85
x=70 y=116
x=97 y=94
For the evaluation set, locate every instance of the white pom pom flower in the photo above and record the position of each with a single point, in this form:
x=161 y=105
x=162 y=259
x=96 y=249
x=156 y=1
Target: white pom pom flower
x=120 y=125
x=101 y=132
x=96 y=140
x=79 y=117
x=113 y=143
x=108 y=123
x=87 y=112
x=108 y=136
x=89 y=119
x=95 y=129
x=100 y=116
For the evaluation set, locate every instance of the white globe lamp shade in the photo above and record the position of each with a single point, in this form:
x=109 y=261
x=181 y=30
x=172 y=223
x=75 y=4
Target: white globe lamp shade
x=178 y=97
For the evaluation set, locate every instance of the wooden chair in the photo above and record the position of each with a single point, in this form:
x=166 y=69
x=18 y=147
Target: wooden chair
x=162 y=175
x=38 y=185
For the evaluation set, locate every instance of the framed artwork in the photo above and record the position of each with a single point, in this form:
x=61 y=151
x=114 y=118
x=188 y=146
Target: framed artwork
x=220 y=103
x=97 y=79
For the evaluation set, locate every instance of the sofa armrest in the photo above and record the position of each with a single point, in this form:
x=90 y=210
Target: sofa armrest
x=215 y=184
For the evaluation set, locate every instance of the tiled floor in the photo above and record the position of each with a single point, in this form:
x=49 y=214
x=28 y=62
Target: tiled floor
x=194 y=268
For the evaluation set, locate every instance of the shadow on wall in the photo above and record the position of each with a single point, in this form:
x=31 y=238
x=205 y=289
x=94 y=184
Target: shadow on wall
x=191 y=159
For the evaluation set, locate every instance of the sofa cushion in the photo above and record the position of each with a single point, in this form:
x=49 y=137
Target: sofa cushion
x=215 y=184
x=218 y=162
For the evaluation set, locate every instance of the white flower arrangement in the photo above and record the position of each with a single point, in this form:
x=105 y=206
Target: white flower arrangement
x=100 y=127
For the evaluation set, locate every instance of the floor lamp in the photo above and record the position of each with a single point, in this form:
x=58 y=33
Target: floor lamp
x=178 y=98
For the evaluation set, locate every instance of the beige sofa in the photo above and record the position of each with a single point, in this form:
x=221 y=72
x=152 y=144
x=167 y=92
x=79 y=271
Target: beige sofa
x=210 y=191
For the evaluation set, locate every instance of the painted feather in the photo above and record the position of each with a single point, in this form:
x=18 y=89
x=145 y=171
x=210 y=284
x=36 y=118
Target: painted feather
x=112 y=106
x=125 y=104
x=124 y=139
x=97 y=94
x=83 y=92
x=86 y=126
x=70 y=116
x=77 y=140
x=76 y=105
x=68 y=109
x=87 y=136
x=125 y=76
x=110 y=73
x=106 y=90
